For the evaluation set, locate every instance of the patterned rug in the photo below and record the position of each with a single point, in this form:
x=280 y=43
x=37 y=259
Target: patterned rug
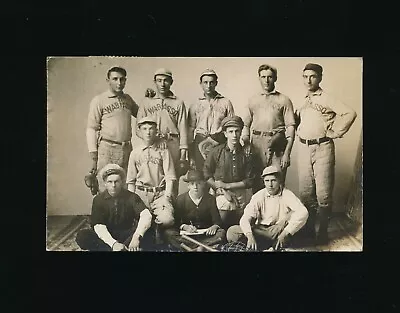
x=344 y=236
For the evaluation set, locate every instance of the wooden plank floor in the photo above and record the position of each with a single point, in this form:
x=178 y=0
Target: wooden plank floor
x=345 y=236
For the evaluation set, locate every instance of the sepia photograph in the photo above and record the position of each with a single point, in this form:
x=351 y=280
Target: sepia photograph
x=204 y=154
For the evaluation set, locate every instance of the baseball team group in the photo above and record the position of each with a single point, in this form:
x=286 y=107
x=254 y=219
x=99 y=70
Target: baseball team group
x=235 y=167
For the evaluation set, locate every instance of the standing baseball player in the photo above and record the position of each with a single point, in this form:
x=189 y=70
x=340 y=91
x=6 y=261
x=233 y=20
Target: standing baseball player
x=151 y=173
x=170 y=114
x=109 y=129
x=205 y=116
x=269 y=124
x=321 y=120
x=229 y=171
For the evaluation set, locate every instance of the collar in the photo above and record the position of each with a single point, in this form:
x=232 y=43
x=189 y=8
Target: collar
x=106 y=195
x=170 y=96
x=239 y=147
x=110 y=94
x=197 y=200
x=273 y=92
x=143 y=146
x=317 y=92
x=217 y=96
x=279 y=194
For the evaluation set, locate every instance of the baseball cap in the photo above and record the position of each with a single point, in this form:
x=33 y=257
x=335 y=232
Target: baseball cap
x=111 y=169
x=208 y=71
x=232 y=121
x=147 y=119
x=163 y=71
x=314 y=67
x=270 y=170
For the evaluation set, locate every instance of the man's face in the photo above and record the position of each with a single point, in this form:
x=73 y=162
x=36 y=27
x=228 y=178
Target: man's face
x=113 y=184
x=148 y=132
x=272 y=184
x=311 y=80
x=116 y=81
x=163 y=83
x=267 y=79
x=208 y=83
x=232 y=134
x=197 y=187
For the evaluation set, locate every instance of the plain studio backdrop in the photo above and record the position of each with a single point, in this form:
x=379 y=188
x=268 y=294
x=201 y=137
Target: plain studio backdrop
x=74 y=81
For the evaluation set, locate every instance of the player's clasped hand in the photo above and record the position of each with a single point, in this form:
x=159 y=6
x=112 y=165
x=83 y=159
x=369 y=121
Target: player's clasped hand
x=212 y=230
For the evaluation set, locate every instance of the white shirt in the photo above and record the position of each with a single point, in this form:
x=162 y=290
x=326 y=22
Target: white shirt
x=270 y=210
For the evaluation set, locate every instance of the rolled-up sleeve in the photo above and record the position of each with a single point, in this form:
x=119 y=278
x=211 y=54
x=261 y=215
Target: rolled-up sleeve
x=299 y=213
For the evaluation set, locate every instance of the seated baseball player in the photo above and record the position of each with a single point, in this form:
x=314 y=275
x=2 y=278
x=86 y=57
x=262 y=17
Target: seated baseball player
x=151 y=175
x=272 y=217
x=229 y=170
x=196 y=210
x=119 y=220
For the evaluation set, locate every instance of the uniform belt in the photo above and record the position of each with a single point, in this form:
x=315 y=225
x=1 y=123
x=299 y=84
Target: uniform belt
x=116 y=142
x=260 y=133
x=150 y=189
x=314 y=141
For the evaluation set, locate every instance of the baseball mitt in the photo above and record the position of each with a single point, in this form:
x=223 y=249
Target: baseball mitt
x=92 y=183
x=183 y=167
x=149 y=93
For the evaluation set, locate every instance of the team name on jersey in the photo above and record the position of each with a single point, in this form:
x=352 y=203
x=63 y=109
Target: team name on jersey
x=319 y=108
x=162 y=106
x=148 y=159
x=117 y=105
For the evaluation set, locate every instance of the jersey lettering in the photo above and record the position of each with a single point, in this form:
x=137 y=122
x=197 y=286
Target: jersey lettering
x=115 y=106
x=162 y=106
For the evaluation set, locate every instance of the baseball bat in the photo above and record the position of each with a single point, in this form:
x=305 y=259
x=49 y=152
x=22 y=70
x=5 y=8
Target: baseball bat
x=199 y=243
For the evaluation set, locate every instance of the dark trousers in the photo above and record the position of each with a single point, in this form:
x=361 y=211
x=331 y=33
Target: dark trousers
x=173 y=237
x=266 y=236
x=87 y=239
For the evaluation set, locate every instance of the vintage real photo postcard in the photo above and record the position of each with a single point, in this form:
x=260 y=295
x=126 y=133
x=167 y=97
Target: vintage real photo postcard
x=204 y=154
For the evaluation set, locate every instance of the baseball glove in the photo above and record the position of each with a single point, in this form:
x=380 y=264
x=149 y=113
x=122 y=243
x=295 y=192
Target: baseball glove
x=91 y=182
x=149 y=93
x=183 y=167
x=163 y=211
x=206 y=145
